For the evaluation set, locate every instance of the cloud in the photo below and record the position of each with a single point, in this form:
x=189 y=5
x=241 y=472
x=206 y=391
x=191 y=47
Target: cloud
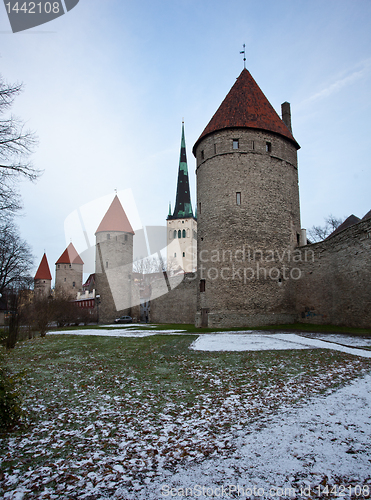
x=341 y=83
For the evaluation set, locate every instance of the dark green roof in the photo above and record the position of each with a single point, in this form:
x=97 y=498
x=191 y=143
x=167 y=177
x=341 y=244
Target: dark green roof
x=183 y=206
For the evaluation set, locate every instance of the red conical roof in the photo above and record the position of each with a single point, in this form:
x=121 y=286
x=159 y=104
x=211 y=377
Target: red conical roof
x=115 y=219
x=43 y=272
x=245 y=106
x=70 y=256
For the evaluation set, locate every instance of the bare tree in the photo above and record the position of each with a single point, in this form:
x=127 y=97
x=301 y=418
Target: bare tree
x=319 y=233
x=149 y=265
x=16 y=145
x=16 y=260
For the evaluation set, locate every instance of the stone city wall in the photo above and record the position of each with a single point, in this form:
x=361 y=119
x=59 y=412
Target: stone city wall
x=177 y=305
x=335 y=285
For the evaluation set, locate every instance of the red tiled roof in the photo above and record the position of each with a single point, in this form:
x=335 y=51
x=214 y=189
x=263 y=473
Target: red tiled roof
x=245 y=106
x=115 y=219
x=70 y=256
x=43 y=272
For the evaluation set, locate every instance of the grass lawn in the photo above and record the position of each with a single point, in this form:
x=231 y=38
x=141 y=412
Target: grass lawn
x=105 y=411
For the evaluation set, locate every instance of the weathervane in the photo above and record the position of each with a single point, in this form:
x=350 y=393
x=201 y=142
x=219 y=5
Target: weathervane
x=244 y=56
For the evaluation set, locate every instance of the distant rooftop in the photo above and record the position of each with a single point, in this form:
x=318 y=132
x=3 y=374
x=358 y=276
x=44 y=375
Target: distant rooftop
x=43 y=272
x=70 y=256
x=115 y=219
x=350 y=221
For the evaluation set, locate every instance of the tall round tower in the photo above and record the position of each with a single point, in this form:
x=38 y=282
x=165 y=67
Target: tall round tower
x=248 y=211
x=114 y=263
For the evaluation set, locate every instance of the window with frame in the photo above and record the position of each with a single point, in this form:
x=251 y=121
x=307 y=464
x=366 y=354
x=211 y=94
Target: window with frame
x=184 y=235
x=179 y=234
x=235 y=143
x=202 y=285
x=238 y=198
x=268 y=147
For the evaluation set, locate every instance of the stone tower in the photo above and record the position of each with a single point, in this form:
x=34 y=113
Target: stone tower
x=181 y=224
x=247 y=210
x=114 y=263
x=43 y=279
x=68 y=272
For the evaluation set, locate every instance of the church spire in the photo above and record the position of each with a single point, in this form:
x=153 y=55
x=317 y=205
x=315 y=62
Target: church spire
x=183 y=206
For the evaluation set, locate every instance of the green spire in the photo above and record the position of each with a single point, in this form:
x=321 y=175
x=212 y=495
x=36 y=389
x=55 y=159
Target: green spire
x=183 y=155
x=183 y=206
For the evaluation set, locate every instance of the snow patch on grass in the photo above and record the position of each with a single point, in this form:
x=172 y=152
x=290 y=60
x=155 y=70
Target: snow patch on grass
x=265 y=341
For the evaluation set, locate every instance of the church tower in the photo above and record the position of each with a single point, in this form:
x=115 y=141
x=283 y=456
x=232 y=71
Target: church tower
x=182 y=224
x=114 y=263
x=68 y=272
x=247 y=210
x=43 y=279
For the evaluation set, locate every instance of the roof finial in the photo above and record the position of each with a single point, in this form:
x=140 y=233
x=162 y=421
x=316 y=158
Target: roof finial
x=244 y=56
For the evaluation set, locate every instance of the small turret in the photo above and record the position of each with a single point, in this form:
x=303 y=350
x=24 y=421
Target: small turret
x=43 y=279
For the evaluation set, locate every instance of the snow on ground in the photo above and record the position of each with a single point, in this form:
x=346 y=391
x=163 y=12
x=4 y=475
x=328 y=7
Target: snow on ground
x=114 y=332
x=325 y=440
x=321 y=442
x=341 y=339
x=127 y=325
x=263 y=341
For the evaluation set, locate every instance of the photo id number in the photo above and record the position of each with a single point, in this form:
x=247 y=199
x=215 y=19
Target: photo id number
x=34 y=8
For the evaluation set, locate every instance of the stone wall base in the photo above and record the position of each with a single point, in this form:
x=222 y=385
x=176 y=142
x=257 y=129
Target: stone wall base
x=238 y=319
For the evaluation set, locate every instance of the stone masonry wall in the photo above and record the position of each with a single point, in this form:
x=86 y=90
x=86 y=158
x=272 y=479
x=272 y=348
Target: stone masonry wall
x=113 y=274
x=248 y=217
x=68 y=279
x=335 y=286
x=177 y=305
